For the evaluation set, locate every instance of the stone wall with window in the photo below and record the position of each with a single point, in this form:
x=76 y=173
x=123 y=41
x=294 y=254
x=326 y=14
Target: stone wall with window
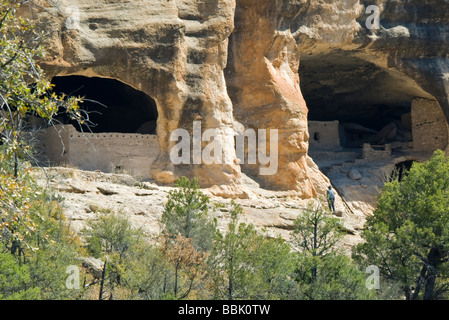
x=324 y=135
x=429 y=126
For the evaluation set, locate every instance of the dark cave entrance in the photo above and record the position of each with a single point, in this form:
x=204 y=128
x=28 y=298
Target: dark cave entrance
x=401 y=170
x=370 y=104
x=112 y=106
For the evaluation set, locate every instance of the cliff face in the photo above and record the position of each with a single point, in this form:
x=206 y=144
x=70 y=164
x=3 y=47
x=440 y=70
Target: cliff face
x=411 y=41
x=235 y=65
x=174 y=51
x=263 y=84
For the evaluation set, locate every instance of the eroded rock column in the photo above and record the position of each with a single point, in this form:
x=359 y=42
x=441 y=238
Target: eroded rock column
x=263 y=84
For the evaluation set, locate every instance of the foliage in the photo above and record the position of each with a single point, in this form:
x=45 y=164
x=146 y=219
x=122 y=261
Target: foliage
x=336 y=278
x=36 y=235
x=187 y=264
x=408 y=235
x=29 y=228
x=57 y=248
x=323 y=272
x=316 y=234
x=15 y=279
x=18 y=221
x=110 y=233
x=246 y=265
x=146 y=273
x=24 y=89
x=112 y=237
x=185 y=214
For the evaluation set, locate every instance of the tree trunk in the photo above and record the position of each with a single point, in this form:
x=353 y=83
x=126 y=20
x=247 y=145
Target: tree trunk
x=430 y=285
x=315 y=242
x=176 y=281
x=230 y=286
x=16 y=165
x=434 y=259
x=419 y=282
x=103 y=274
x=230 y=279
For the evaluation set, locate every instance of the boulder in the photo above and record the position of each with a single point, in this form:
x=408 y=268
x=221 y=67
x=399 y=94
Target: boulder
x=338 y=213
x=354 y=174
x=93 y=265
x=106 y=191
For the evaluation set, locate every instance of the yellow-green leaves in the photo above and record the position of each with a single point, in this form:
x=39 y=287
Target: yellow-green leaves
x=24 y=89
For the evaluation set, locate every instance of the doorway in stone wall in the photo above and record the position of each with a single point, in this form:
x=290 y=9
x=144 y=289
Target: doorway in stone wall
x=401 y=170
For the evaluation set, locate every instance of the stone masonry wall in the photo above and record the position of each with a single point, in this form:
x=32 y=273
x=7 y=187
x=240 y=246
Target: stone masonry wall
x=429 y=126
x=324 y=135
x=126 y=152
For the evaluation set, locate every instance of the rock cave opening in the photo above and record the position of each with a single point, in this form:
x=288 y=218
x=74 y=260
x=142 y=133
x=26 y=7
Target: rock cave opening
x=354 y=102
x=122 y=138
x=357 y=108
x=401 y=170
x=112 y=106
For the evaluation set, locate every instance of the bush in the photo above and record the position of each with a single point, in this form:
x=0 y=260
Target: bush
x=185 y=214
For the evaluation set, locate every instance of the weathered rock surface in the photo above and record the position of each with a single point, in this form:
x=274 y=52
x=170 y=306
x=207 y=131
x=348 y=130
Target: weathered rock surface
x=410 y=43
x=237 y=64
x=263 y=82
x=174 y=51
x=95 y=266
x=354 y=174
x=143 y=204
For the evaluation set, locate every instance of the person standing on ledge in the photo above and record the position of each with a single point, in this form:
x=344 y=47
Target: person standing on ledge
x=331 y=199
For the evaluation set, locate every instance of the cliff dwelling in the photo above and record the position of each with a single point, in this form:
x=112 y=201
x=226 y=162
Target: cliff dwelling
x=359 y=110
x=120 y=135
x=336 y=92
x=111 y=105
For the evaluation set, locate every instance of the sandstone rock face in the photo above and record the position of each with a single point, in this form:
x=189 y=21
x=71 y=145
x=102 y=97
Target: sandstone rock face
x=410 y=43
x=234 y=65
x=174 y=51
x=263 y=82
x=142 y=203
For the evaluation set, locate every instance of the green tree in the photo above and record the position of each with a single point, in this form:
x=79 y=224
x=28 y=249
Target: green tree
x=15 y=279
x=275 y=265
x=56 y=248
x=316 y=234
x=113 y=238
x=145 y=273
x=185 y=268
x=246 y=265
x=111 y=233
x=24 y=91
x=408 y=235
x=337 y=278
x=186 y=214
x=323 y=272
x=47 y=247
